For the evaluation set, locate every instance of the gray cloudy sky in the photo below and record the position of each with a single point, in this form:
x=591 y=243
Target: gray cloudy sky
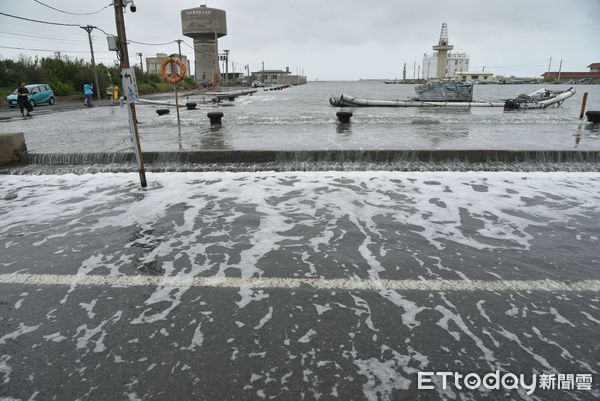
x=335 y=39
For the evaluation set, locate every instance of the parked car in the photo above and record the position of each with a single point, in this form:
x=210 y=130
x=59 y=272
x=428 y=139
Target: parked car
x=38 y=94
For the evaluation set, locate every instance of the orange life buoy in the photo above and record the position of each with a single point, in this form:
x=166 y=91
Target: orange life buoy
x=163 y=70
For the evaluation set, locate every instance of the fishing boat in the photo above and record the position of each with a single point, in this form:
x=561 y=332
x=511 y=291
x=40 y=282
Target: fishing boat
x=536 y=100
x=445 y=91
x=350 y=101
x=540 y=99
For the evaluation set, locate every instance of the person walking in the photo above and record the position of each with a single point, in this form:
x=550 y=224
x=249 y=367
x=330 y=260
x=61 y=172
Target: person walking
x=88 y=91
x=23 y=100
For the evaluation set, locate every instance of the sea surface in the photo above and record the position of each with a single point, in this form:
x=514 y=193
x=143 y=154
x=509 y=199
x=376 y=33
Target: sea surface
x=301 y=118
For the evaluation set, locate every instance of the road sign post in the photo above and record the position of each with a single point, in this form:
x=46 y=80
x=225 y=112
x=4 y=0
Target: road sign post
x=131 y=95
x=123 y=55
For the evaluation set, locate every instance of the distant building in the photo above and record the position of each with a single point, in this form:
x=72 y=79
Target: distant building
x=594 y=67
x=457 y=62
x=278 y=77
x=481 y=76
x=232 y=76
x=575 y=77
x=205 y=25
x=153 y=63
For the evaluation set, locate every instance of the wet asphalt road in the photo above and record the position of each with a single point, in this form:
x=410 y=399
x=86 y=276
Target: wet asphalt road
x=67 y=104
x=288 y=340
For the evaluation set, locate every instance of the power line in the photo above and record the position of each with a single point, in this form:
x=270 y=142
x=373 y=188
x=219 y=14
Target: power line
x=51 y=23
x=40 y=37
x=150 y=44
x=46 y=31
x=70 y=13
x=47 y=50
x=41 y=22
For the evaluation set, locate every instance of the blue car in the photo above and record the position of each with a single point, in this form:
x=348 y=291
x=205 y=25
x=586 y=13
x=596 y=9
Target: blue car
x=38 y=94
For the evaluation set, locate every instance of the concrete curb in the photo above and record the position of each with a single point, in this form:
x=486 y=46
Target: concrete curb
x=324 y=156
x=13 y=148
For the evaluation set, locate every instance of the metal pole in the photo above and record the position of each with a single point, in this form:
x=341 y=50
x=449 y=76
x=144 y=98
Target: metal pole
x=216 y=65
x=549 y=65
x=89 y=30
x=559 y=70
x=584 y=101
x=179 y=45
x=124 y=53
x=141 y=63
x=226 y=65
x=175 y=87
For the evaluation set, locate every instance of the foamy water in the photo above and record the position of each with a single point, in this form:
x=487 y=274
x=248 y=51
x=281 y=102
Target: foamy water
x=327 y=341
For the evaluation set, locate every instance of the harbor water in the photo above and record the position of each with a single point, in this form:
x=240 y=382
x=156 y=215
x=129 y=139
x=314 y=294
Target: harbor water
x=300 y=118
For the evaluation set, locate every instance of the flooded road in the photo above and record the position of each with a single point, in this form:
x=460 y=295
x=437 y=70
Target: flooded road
x=315 y=286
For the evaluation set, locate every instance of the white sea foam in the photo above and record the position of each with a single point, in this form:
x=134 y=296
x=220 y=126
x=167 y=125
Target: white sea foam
x=22 y=330
x=5 y=369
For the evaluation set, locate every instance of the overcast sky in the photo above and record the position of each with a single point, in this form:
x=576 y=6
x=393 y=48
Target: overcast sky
x=331 y=40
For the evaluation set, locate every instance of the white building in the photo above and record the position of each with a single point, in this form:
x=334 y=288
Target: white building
x=482 y=76
x=457 y=62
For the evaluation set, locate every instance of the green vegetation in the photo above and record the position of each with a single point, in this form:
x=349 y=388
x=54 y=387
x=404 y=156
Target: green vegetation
x=67 y=77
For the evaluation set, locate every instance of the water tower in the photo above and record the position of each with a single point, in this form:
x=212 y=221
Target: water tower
x=442 y=52
x=205 y=25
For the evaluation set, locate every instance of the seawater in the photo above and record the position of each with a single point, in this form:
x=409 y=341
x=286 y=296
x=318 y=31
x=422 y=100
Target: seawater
x=301 y=118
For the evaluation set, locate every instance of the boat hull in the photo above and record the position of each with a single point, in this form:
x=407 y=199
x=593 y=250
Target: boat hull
x=350 y=101
x=445 y=92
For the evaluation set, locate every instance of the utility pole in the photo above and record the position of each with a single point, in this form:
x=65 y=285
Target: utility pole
x=262 y=75
x=404 y=72
x=419 y=72
x=559 y=70
x=414 y=69
x=124 y=57
x=216 y=74
x=141 y=64
x=89 y=30
x=549 y=65
x=179 y=45
x=226 y=65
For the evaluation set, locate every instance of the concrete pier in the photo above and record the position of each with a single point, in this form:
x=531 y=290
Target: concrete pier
x=12 y=148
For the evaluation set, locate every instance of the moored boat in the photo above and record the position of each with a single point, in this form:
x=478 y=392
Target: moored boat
x=539 y=99
x=445 y=91
x=536 y=101
x=350 y=101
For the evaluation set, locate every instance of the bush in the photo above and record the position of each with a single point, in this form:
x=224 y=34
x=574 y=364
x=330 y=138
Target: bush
x=67 y=77
x=61 y=88
x=4 y=92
